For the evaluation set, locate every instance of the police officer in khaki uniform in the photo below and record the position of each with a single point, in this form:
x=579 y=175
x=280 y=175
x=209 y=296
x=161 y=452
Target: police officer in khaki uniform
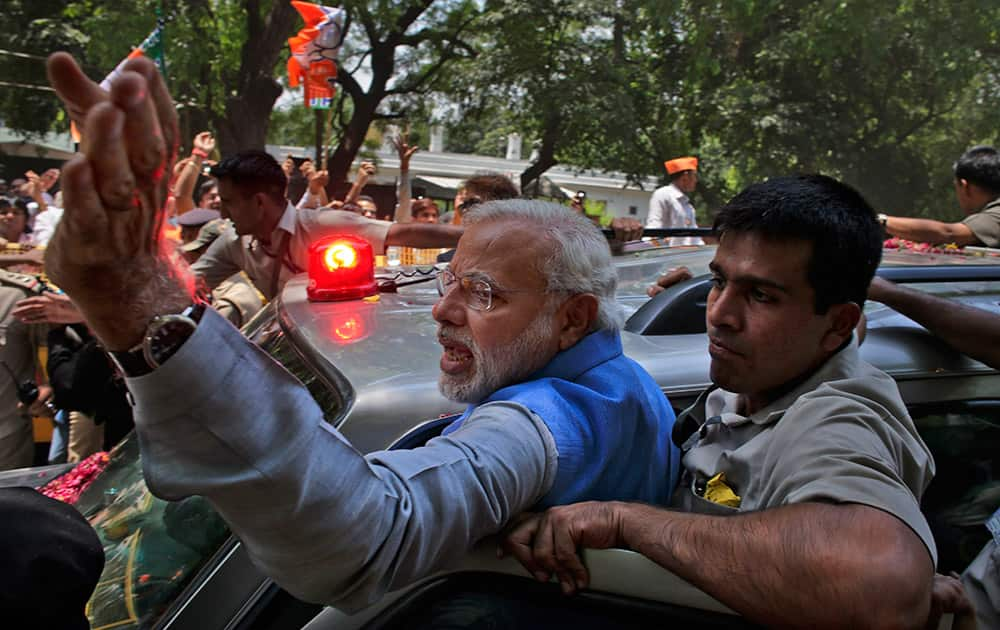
x=236 y=297
x=18 y=346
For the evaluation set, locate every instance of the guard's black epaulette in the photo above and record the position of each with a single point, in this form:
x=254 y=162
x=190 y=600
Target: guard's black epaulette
x=24 y=281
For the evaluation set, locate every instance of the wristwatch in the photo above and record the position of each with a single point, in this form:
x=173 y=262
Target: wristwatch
x=882 y=219
x=164 y=336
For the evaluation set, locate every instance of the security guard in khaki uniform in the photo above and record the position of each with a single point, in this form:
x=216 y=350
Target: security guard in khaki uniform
x=236 y=297
x=18 y=345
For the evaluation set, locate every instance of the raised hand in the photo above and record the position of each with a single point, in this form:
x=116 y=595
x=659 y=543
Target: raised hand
x=204 y=142
x=107 y=253
x=365 y=171
x=404 y=149
x=318 y=181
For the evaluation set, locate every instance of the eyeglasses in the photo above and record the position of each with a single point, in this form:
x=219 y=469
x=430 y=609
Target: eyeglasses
x=478 y=293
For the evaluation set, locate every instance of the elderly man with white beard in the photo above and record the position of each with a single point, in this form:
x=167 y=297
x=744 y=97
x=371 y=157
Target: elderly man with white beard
x=529 y=327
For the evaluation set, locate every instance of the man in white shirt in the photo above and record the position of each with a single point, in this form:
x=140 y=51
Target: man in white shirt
x=670 y=206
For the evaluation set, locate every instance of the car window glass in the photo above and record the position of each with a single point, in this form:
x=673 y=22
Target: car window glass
x=964 y=438
x=272 y=339
x=153 y=548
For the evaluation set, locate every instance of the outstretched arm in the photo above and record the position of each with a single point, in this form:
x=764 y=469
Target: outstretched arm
x=423 y=235
x=807 y=565
x=969 y=330
x=930 y=231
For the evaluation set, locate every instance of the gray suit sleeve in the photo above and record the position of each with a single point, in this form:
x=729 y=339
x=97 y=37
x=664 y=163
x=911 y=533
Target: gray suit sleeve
x=223 y=420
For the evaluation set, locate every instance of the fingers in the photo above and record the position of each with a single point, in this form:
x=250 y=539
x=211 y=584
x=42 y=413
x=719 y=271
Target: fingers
x=518 y=542
x=144 y=140
x=555 y=550
x=83 y=218
x=654 y=290
x=77 y=92
x=166 y=113
x=105 y=149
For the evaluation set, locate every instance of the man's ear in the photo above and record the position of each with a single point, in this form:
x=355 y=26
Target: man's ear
x=843 y=318
x=576 y=317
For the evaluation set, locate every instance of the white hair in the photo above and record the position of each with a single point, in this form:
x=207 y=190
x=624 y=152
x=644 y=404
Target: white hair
x=580 y=259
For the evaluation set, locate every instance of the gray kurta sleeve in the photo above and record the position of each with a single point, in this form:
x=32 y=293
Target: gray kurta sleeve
x=223 y=420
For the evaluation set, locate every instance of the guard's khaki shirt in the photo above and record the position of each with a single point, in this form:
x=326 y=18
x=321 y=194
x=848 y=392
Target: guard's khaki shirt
x=231 y=253
x=985 y=224
x=842 y=436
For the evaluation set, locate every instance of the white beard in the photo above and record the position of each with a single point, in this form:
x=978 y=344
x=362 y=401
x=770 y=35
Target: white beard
x=505 y=365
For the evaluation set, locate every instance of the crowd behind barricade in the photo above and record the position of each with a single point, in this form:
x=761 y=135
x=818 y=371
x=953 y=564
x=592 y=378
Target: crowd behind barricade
x=753 y=500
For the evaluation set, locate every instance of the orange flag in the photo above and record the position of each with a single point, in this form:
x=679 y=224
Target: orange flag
x=314 y=53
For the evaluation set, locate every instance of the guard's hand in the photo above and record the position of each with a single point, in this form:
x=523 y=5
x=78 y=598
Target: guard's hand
x=106 y=252
x=546 y=544
x=626 y=229
x=669 y=279
x=205 y=141
x=47 y=308
x=948 y=596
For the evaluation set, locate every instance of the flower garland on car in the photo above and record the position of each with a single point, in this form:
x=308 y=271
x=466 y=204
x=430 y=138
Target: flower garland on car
x=68 y=487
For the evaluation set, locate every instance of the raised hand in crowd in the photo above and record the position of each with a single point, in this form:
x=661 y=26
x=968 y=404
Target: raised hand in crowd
x=189 y=170
x=404 y=194
x=404 y=149
x=288 y=166
x=365 y=172
x=106 y=251
x=203 y=144
x=47 y=308
x=35 y=189
x=49 y=178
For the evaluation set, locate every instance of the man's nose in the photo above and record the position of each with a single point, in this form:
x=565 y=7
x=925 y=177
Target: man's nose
x=450 y=308
x=723 y=309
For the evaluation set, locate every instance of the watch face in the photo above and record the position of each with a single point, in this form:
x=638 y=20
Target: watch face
x=166 y=336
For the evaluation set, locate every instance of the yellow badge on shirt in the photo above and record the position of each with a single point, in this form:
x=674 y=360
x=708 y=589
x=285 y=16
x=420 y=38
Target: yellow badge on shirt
x=717 y=491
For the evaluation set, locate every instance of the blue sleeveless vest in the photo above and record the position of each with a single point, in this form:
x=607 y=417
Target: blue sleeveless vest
x=610 y=421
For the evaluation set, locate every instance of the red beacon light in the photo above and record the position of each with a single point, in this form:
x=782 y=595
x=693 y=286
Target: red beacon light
x=341 y=268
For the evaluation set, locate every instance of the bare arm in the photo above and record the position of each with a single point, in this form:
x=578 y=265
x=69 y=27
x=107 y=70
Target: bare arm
x=806 y=565
x=423 y=235
x=405 y=152
x=202 y=145
x=969 y=330
x=930 y=231
x=365 y=171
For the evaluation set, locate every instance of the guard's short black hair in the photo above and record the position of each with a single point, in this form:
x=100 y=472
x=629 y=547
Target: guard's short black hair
x=491 y=187
x=253 y=172
x=980 y=165
x=841 y=226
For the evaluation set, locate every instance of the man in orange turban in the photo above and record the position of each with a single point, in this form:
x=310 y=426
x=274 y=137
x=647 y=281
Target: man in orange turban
x=670 y=206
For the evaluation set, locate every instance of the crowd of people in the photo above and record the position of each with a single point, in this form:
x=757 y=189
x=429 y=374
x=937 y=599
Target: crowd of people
x=790 y=491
